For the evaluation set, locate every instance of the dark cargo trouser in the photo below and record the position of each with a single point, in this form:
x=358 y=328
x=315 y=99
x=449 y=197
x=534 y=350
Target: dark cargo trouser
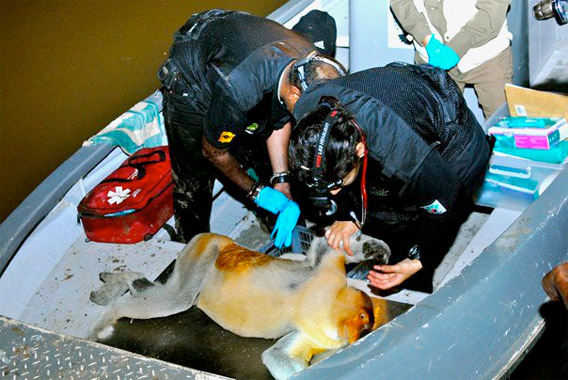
x=193 y=174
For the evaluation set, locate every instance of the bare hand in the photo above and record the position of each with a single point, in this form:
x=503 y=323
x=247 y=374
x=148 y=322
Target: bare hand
x=341 y=232
x=284 y=188
x=555 y=283
x=388 y=276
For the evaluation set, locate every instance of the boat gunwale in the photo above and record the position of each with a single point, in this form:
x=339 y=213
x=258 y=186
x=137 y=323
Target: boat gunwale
x=39 y=203
x=500 y=282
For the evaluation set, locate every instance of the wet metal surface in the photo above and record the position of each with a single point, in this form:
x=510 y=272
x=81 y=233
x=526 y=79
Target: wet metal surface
x=27 y=352
x=192 y=339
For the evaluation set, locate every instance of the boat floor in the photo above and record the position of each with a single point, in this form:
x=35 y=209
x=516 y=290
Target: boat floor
x=61 y=303
x=191 y=339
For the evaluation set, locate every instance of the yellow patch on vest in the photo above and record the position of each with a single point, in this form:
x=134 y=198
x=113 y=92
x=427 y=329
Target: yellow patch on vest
x=226 y=137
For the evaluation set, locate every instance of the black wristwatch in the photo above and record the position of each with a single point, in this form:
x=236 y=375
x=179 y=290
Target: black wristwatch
x=280 y=177
x=414 y=253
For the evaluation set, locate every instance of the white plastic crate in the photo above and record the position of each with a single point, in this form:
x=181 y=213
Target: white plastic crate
x=514 y=183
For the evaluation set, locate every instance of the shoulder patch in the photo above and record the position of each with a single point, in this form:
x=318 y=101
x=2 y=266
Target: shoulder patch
x=226 y=137
x=251 y=128
x=435 y=208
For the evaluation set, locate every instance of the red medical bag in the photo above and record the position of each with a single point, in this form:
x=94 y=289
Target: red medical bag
x=132 y=203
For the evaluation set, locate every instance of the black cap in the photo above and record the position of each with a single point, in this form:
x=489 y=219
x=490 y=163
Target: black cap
x=319 y=27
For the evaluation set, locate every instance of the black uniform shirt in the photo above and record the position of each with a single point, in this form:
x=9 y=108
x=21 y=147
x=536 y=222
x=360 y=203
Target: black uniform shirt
x=233 y=62
x=423 y=142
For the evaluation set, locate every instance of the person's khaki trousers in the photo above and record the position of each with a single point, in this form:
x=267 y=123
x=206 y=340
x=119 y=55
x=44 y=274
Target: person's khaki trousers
x=488 y=80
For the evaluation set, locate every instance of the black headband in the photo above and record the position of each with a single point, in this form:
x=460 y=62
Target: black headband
x=319 y=158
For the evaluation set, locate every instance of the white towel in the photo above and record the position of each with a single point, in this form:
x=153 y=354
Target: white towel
x=142 y=126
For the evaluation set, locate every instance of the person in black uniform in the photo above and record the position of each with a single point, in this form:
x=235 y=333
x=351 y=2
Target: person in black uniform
x=394 y=152
x=228 y=94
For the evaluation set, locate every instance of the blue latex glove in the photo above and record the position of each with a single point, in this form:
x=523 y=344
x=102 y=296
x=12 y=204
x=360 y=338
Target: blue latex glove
x=440 y=55
x=271 y=200
x=285 y=225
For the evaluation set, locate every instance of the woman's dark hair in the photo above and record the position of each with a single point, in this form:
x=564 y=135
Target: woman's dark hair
x=340 y=150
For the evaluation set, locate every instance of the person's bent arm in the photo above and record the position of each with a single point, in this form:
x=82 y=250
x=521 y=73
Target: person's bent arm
x=482 y=28
x=414 y=21
x=411 y=20
x=277 y=145
x=227 y=164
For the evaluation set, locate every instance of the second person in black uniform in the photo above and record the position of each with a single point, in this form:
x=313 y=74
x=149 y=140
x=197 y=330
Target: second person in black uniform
x=399 y=153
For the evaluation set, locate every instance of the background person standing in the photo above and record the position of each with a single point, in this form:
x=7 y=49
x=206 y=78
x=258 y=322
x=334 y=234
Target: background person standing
x=470 y=38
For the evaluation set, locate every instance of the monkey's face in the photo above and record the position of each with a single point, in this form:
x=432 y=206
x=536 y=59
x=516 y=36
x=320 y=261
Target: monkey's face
x=358 y=317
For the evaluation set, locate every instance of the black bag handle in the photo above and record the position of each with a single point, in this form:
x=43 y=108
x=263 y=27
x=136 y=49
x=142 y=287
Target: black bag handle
x=133 y=161
x=138 y=162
